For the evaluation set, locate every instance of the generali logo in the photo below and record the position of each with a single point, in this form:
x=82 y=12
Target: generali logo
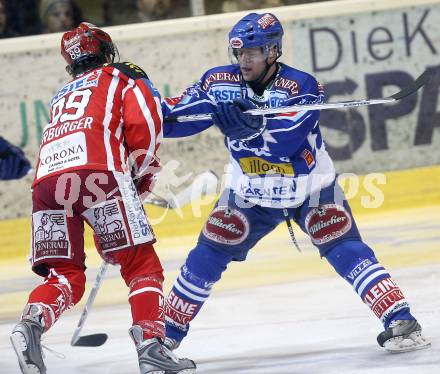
x=287 y=84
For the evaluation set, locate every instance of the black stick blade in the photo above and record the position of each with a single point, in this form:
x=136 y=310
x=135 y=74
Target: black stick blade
x=93 y=340
x=413 y=87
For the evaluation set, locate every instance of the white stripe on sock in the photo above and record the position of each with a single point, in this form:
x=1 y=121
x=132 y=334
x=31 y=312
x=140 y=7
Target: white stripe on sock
x=369 y=279
x=145 y=289
x=192 y=287
x=365 y=272
x=189 y=294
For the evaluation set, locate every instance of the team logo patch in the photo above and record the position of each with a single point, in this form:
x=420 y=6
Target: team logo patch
x=108 y=224
x=50 y=235
x=308 y=158
x=327 y=222
x=236 y=43
x=226 y=226
x=266 y=20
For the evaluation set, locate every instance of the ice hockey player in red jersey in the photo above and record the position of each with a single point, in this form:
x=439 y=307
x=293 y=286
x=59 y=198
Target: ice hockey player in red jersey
x=97 y=156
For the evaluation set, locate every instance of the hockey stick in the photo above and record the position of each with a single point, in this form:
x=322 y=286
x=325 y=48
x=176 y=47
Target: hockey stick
x=96 y=340
x=183 y=198
x=410 y=89
x=290 y=229
x=93 y=340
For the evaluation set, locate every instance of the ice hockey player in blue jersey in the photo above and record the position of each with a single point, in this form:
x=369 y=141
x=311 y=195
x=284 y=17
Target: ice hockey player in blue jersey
x=13 y=162
x=280 y=168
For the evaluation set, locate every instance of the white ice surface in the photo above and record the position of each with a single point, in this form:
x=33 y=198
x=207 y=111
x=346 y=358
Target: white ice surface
x=306 y=327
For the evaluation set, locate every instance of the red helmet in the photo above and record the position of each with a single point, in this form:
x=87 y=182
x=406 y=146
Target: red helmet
x=86 y=47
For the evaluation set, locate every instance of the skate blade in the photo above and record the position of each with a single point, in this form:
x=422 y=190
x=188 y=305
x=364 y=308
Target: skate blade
x=19 y=344
x=184 y=371
x=413 y=342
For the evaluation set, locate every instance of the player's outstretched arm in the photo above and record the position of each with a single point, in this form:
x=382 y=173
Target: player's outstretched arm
x=194 y=100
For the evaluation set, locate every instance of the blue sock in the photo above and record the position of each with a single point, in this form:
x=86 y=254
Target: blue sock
x=356 y=263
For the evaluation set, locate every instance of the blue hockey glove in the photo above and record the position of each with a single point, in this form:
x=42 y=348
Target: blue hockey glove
x=13 y=163
x=235 y=124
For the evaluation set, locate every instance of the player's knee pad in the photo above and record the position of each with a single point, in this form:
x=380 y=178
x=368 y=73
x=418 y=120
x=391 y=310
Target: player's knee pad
x=63 y=287
x=346 y=255
x=70 y=280
x=206 y=262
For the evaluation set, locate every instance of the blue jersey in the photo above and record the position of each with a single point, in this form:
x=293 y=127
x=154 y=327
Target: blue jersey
x=288 y=161
x=13 y=162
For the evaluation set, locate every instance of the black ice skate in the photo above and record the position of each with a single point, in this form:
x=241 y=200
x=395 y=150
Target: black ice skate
x=155 y=358
x=403 y=336
x=25 y=339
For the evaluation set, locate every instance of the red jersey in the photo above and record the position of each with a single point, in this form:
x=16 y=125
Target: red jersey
x=99 y=120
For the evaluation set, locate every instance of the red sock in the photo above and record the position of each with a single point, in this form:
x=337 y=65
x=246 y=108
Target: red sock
x=147 y=305
x=143 y=274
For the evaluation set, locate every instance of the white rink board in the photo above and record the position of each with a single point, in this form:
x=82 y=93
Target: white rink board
x=175 y=53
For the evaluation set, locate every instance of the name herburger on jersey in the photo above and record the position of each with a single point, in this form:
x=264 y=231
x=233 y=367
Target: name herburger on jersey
x=53 y=132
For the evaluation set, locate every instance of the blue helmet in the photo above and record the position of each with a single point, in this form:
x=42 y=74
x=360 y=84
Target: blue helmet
x=257 y=30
